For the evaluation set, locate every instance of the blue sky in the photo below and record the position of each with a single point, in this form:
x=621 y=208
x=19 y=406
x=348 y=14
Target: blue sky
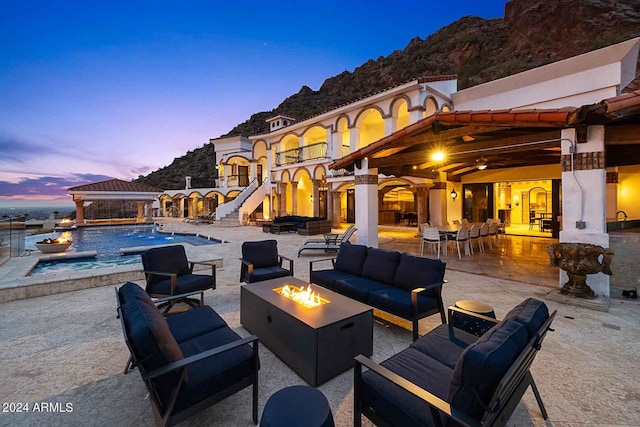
x=97 y=90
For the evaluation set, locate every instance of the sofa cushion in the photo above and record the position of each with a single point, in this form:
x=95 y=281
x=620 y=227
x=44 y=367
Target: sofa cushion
x=194 y=322
x=184 y=284
x=532 y=313
x=415 y=272
x=357 y=287
x=169 y=259
x=216 y=373
x=396 y=405
x=445 y=344
x=483 y=364
x=351 y=258
x=261 y=254
x=130 y=291
x=150 y=335
x=398 y=301
x=327 y=278
x=266 y=273
x=381 y=265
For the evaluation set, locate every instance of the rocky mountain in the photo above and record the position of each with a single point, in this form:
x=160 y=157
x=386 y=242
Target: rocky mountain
x=531 y=34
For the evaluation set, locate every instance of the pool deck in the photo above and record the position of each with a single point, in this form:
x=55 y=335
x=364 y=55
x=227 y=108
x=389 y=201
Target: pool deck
x=15 y=283
x=68 y=347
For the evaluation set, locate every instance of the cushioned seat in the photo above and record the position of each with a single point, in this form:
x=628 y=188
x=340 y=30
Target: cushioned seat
x=188 y=361
x=168 y=272
x=398 y=301
x=401 y=284
x=261 y=261
x=358 y=288
x=393 y=403
x=198 y=321
x=454 y=377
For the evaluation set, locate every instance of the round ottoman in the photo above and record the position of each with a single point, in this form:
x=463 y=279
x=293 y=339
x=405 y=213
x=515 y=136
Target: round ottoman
x=297 y=405
x=476 y=307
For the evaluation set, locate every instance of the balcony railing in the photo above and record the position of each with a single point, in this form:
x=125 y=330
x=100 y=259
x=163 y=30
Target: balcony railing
x=346 y=150
x=302 y=154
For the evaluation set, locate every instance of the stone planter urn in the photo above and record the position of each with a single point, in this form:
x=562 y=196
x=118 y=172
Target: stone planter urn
x=578 y=260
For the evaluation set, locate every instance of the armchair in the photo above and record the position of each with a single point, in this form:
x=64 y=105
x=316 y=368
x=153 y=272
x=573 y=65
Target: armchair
x=456 y=375
x=188 y=361
x=168 y=273
x=261 y=261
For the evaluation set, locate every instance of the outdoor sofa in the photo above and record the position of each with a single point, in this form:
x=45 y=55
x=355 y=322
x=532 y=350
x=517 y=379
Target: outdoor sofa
x=188 y=361
x=402 y=284
x=453 y=377
x=306 y=225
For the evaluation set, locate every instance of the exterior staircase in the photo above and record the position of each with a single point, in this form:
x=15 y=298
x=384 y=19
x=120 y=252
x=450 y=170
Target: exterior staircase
x=230 y=214
x=230 y=220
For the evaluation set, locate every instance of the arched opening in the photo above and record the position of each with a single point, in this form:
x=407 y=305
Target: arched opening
x=371 y=126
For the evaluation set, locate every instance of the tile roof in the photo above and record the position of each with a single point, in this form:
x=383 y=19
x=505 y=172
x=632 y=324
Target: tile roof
x=624 y=105
x=116 y=185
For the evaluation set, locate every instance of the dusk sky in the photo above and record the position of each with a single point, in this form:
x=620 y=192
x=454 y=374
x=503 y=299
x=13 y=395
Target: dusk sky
x=97 y=90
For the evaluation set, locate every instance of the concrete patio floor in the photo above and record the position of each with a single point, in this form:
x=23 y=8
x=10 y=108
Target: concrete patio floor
x=68 y=347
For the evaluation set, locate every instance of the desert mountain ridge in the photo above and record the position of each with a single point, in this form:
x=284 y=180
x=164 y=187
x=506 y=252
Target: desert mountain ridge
x=531 y=34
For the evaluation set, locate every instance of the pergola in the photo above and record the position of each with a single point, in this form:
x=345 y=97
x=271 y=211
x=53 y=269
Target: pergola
x=114 y=189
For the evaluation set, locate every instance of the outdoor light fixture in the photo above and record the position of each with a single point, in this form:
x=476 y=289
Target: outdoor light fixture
x=481 y=163
x=454 y=195
x=438 y=156
x=516 y=200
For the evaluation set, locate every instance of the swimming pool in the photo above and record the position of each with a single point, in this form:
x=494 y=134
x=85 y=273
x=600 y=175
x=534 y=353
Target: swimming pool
x=107 y=242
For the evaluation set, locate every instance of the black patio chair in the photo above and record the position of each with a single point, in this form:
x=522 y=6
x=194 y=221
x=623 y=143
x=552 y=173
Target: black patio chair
x=261 y=261
x=168 y=272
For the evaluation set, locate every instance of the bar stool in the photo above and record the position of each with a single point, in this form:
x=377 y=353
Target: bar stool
x=298 y=405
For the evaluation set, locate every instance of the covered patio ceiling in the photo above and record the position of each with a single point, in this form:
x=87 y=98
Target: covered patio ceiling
x=500 y=139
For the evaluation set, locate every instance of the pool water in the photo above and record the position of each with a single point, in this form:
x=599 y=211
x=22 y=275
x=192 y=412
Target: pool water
x=107 y=242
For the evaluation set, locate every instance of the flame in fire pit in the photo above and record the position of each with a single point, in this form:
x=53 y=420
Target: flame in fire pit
x=305 y=297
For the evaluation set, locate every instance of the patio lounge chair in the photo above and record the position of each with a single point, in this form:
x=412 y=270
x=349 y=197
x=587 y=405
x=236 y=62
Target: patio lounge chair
x=330 y=241
x=261 y=261
x=169 y=273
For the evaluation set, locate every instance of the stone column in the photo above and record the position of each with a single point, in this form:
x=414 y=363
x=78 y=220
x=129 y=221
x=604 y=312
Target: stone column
x=334 y=208
x=79 y=211
x=294 y=197
x=253 y=170
x=366 y=182
x=316 y=196
x=282 y=197
x=416 y=113
x=140 y=215
x=423 y=193
x=438 y=202
x=584 y=197
x=149 y=206
x=226 y=170
x=390 y=125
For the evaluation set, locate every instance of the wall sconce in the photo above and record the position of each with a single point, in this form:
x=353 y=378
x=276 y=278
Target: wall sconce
x=454 y=195
x=516 y=200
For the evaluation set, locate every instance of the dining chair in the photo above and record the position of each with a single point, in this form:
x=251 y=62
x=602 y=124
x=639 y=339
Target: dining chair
x=474 y=236
x=493 y=234
x=462 y=237
x=431 y=236
x=484 y=235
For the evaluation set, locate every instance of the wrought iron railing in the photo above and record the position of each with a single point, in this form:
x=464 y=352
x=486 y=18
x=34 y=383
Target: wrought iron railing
x=341 y=172
x=302 y=154
x=345 y=150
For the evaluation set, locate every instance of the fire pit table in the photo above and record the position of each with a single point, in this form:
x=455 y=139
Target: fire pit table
x=319 y=342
